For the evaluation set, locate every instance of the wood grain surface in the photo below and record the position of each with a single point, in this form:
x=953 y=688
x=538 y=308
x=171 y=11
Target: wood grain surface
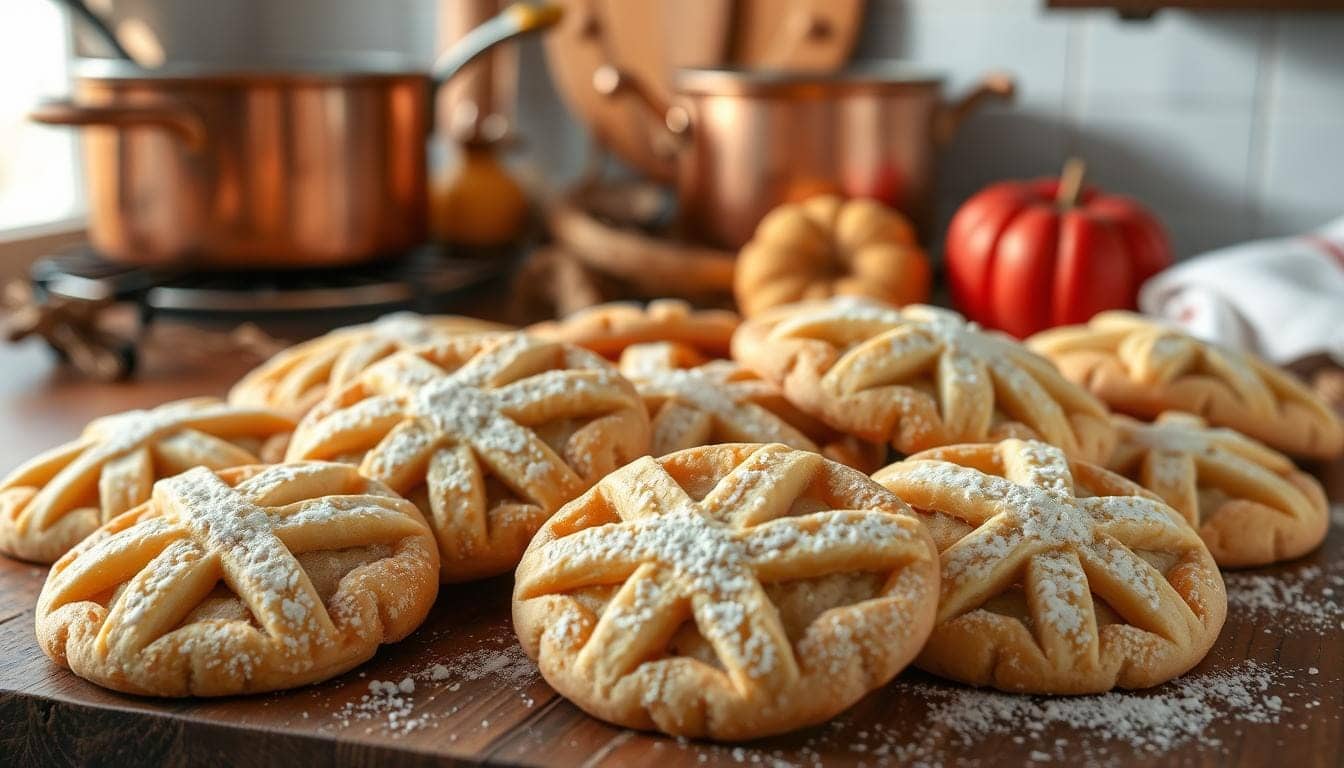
x=477 y=699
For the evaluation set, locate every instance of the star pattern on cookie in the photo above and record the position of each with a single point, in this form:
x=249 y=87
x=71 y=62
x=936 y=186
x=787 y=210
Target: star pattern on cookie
x=1142 y=367
x=455 y=416
x=51 y=502
x=1028 y=529
x=166 y=563
x=918 y=378
x=672 y=558
x=1249 y=502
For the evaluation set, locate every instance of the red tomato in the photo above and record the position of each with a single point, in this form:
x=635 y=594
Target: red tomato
x=1020 y=262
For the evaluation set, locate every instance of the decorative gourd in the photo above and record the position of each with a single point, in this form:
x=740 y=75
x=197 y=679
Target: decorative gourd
x=829 y=246
x=1023 y=256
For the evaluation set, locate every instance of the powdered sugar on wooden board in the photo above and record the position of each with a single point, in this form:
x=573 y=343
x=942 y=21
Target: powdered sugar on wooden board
x=1308 y=598
x=399 y=706
x=1109 y=729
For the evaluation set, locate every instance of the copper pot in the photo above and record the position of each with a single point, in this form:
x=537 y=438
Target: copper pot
x=747 y=141
x=317 y=165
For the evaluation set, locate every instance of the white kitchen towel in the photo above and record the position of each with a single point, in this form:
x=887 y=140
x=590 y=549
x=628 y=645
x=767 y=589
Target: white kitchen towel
x=1282 y=298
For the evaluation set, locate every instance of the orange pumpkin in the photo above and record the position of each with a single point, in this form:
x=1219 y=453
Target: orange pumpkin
x=828 y=246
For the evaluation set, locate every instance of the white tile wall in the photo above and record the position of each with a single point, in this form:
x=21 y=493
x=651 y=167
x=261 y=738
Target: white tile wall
x=1230 y=125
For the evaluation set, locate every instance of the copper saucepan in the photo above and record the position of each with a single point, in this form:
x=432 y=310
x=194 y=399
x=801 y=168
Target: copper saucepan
x=295 y=166
x=747 y=141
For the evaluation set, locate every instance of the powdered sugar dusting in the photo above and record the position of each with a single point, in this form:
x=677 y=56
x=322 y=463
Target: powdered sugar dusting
x=1299 y=598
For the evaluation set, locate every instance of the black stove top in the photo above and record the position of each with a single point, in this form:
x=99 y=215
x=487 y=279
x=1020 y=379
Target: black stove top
x=424 y=280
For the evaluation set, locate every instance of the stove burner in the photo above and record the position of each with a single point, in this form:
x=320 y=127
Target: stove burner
x=418 y=280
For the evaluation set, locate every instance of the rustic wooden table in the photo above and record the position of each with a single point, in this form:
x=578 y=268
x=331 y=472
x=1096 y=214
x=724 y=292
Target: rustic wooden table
x=1271 y=690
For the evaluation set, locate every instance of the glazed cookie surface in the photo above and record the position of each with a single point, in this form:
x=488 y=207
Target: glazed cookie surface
x=1248 y=502
x=728 y=592
x=55 y=499
x=1142 y=368
x=1058 y=576
x=247 y=580
x=918 y=378
x=488 y=435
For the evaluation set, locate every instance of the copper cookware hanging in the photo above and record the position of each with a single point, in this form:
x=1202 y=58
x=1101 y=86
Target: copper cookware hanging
x=314 y=165
x=746 y=141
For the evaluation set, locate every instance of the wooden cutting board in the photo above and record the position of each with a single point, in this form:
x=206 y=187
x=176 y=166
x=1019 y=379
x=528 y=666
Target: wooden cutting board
x=477 y=699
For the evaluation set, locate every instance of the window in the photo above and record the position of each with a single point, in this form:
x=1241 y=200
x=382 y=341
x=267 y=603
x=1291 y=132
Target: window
x=39 y=165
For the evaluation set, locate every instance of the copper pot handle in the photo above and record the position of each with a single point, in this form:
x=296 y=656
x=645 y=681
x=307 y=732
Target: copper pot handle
x=518 y=19
x=176 y=119
x=610 y=80
x=995 y=85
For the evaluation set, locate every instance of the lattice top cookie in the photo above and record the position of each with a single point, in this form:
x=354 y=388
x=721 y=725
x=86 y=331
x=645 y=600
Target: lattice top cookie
x=296 y=378
x=608 y=329
x=918 y=377
x=693 y=401
x=1248 y=502
x=729 y=591
x=489 y=435
x=59 y=497
x=1143 y=368
x=1057 y=576
x=253 y=579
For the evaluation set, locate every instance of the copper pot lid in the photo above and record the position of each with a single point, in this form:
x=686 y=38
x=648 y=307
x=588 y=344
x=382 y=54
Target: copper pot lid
x=865 y=77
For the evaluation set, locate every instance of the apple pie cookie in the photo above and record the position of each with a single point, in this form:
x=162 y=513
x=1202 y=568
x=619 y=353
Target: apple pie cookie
x=50 y=503
x=488 y=435
x=1142 y=368
x=918 y=377
x=1248 y=502
x=608 y=329
x=246 y=580
x=693 y=401
x=727 y=591
x=296 y=378
x=1058 y=576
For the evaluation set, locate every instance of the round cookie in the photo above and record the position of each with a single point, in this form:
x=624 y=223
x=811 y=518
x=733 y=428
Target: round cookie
x=608 y=329
x=247 y=580
x=1058 y=576
x=295 y=379
x=917 y=378
x=693 y=402
x=55 y=499
x=1142 y=368
x=489 y=435
x=728 y=592
x=1248 y=502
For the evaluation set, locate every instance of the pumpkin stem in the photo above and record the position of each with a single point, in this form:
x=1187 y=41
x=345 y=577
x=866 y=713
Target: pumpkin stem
x=1070 y=183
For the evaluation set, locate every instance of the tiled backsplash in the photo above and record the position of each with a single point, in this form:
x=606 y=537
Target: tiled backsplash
x=1230 y=125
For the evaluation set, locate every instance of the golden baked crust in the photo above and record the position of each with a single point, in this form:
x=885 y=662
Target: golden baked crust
x=295 y=379
x=917 y=378
x=608 y=329
x=248 y=580
x=828 y=246
x=1142 y=368
x=728 y=591
x=693 y=402
x=1248 y=502
x=57 y=498
x=488 y=435
x=1057 y=576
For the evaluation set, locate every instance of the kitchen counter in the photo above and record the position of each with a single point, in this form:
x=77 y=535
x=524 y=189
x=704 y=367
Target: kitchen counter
x=1272 y=689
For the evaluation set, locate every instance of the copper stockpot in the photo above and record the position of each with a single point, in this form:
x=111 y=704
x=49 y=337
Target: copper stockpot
x=299 y=166
x=747 y=141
